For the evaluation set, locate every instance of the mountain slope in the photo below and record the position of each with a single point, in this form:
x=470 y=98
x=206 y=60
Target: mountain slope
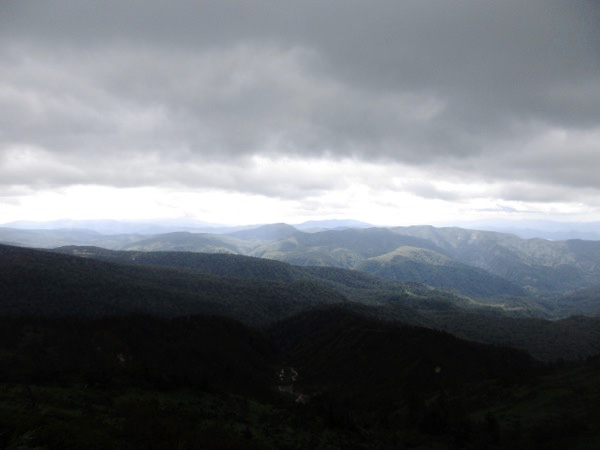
x=263 y=233
x=338 y=248
x=360 y=372
x=217 y=264
x=35 y=282
x=190 y=242
x=536 y=264
x=364 y=360
x=199 y=351
x=357 y=286
x=505 y=321
x=434 y=269
x=209 y=382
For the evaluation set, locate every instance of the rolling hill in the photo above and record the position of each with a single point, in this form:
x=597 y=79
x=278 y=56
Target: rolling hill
x=47 y=284
x=539 y=265
x=259 y=292
x=355 y=285
x=434 y=269
x=482 y=265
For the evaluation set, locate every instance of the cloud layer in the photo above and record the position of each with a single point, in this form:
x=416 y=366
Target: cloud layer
x=291 y=100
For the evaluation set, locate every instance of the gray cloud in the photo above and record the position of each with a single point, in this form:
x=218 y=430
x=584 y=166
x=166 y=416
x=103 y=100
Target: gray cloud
x=147 y=92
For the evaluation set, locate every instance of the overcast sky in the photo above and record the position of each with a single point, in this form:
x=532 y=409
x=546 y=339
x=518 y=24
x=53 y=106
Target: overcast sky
x=255 y=111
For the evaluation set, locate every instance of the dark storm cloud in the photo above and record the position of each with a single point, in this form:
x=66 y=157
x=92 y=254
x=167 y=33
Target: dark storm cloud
x=132 y=93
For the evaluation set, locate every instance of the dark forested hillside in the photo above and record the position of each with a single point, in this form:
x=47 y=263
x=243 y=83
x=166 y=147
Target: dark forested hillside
x=572 y=338
x=207 y=352
x=335 y=346
x=42 y=283
x=218 y=264
x=427 y=383
x=326 y=377
x=258 y=291
x=357 y=286
x=138 y=350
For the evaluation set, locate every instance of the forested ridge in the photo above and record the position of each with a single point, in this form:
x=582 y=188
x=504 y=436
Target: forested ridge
x=136 y=349
x=482 y=264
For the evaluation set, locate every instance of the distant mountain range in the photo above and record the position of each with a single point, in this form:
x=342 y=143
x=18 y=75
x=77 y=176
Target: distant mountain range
x=545 y=229
x=156 y=226
x=479 y=264
x=527 y=229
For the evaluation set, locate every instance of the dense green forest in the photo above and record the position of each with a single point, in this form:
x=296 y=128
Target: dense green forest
x=138 y=349
x=506 y=321
x=259 y=292
x=210 y=382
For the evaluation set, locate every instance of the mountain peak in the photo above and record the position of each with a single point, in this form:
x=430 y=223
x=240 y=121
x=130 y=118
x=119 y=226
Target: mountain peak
x=268 y=232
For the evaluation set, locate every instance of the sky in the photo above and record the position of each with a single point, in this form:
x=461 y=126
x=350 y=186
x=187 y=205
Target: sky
x=393 y=112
